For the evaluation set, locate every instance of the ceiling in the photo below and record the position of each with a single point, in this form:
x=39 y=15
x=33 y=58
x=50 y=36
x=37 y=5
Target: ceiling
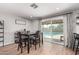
x=43 y=10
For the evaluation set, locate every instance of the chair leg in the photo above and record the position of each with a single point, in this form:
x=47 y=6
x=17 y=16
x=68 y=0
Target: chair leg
x=35 y=44
x=74 y=44
x=28 y=47
x=21 y=48
x=39 y=42
x=77 y=48
x=42 y=38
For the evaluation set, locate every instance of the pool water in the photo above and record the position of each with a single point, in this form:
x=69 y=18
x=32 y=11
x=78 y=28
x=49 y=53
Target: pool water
x=48 y=34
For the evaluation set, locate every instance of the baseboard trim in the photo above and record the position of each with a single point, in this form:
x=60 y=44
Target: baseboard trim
x=7 y=44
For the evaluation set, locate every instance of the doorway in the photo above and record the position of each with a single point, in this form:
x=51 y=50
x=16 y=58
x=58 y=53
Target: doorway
x=53 y=31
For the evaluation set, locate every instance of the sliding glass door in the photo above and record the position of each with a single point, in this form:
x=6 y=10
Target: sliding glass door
x=53 y=29
x=46 y=29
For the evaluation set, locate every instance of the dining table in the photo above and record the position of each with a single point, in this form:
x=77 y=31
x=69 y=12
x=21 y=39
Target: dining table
x=28 y=36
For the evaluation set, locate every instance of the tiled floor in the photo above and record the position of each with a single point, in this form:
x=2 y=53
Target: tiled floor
x=45 y=49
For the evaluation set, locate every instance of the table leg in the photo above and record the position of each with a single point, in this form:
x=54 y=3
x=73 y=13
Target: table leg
x=28 y=48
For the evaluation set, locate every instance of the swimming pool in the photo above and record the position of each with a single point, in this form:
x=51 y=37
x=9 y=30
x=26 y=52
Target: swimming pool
x=51 y=34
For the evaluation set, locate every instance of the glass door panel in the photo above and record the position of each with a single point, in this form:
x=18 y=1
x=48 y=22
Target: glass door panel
x=53 y=30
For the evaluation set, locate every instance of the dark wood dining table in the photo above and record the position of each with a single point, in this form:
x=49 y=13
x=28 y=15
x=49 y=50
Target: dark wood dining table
x=28 y=40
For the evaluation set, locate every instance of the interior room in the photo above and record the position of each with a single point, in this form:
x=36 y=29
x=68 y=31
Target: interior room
x=39 y=28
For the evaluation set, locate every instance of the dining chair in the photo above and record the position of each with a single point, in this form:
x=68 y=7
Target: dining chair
x=20 y=44
x=76 y=43
x=74 y=40
x=37 y=39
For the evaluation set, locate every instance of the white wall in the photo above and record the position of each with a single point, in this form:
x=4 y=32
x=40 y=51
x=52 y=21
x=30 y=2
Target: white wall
x=36 y=25
x=75 y=14
x=76 y=26
x=10 y=27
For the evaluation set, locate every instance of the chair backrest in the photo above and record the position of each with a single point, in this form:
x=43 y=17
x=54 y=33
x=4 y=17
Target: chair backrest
x=37 y=33
x=19 y=36
x=75 y=34
x=28 y=32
